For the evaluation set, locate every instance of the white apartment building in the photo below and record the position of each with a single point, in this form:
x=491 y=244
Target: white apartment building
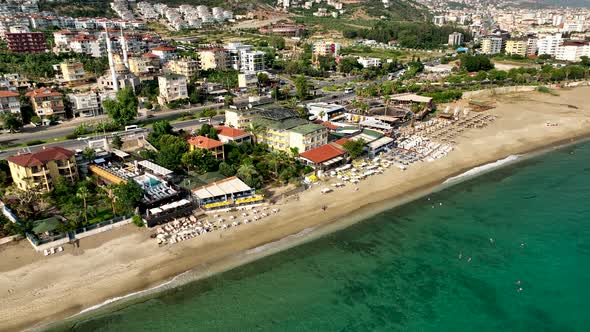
x=456 y=38
x=572 y=50
x=491 y=45
x=548 y=44
x=252 y=61
x=369 y=62
x=89 y=103
x=9 y=102
x=172 y=87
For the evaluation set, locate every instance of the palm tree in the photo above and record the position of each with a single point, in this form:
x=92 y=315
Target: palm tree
x=83 y=193
x=255 y=129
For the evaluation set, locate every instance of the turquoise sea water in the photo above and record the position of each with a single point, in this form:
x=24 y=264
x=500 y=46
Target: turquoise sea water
x=400 y=270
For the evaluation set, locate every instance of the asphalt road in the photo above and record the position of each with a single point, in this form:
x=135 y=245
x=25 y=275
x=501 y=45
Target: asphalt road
x=81 y=144
x=47 y=134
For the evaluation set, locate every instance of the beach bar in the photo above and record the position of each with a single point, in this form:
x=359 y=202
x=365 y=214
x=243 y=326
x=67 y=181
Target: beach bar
x=224 y=194
x=324 y=157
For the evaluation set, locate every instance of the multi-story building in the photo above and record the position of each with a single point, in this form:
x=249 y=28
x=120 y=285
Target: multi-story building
x=172 y=87
x=87 y=44
x=548 y=44
x=28 y=42
x=71 y=71
x=283 y=130
x=209 y=144
x=233 y=135
x=252 y=62
x=90 y=103
x=165 y=53
x=241 y=112
x=517 y=47
x=573 y=50
x=187 y=67
x=369 y=62
x=325 y=48
x=455 y=39
x=214 y=58
x=148 y=63
x=247 y=80
x=491 y=45
x=47 y=102
x=9 y=103
x=42 y=168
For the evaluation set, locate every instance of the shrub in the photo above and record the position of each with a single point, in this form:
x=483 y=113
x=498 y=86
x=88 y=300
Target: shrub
x=137 y=221
x=71 y=136
x=35 y=142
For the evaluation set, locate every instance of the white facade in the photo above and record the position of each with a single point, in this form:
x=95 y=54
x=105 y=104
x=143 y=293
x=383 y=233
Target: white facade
x=572 y=51
x=548 y=44
x=369 y=62
x=172 y=87
x=456 y=38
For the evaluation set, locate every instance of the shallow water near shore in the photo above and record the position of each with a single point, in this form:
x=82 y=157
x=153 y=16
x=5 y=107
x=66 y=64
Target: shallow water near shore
x=452 y=261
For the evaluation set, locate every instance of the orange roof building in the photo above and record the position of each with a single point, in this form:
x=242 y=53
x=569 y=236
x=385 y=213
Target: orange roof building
x=47 y=102
x=42 y=168
x=202 y=142
x=324 y=156
x=233 y=135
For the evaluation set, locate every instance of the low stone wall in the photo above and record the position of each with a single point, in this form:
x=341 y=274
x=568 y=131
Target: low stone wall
x=103 y=229
x=9 y=239
x=49 y=245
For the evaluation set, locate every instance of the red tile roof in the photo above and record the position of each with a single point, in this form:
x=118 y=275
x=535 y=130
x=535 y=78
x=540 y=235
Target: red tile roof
x=150 y=55
x=203 y=142
x=164 y=48
x=41 y=157
x=42 y=92
x=6 y=94
x=340 y=141
x=322 y=153
x=230 y=132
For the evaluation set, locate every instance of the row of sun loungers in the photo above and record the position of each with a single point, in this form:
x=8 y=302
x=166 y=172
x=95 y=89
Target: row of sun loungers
x=52 y=251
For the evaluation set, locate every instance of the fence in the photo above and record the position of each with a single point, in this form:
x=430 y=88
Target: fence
x=101 y=224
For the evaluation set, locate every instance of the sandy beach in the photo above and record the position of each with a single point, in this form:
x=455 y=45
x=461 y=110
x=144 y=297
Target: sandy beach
x=37 y=290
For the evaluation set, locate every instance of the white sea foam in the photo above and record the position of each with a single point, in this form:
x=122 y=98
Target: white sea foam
x=118 y=298
x=482 y=169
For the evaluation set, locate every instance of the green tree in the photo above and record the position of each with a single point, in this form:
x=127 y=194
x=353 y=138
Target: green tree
x=171 y=150
x=124 y=108
x=263 y=78
x=209 y=113
x=348 y=64
x=117 y=142
x=200 y=160
x=475 y=63
x=250 y=176
x=89 y=154
x=301 y=87
x=354 y=148
x=162 y=127
x=11 y=122
x=83 y=193
x=227 y=169
x=128 y=195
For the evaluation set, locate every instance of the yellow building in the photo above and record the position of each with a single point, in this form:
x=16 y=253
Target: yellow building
x=72 y=71
x=239 y=118
x=214 y=58
x=47 y=102
x=283 y=130
x=517 y=47
x=42 y=168
x=186 y=66
x=147 y=63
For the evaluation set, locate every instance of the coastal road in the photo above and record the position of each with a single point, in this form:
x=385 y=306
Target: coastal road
x=47 y=134
x=81 y=144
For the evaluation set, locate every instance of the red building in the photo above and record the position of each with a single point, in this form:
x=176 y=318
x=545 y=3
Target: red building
x=26 y=42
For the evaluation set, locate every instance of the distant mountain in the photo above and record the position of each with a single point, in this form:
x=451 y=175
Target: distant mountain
x=560 y=3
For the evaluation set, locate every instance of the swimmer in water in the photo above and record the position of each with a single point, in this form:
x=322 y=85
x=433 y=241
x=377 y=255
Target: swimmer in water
x=522 y=245
x=468 y=259
x=460 y=255
x=520 y=289
x=491 y=240
x=518 y=282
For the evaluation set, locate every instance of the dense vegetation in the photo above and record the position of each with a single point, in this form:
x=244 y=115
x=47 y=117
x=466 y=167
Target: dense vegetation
x=40 y=66
x=78 y=8
x=408 y=34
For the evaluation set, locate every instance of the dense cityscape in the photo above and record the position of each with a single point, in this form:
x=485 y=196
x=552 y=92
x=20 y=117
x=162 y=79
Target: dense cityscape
x=188 y=120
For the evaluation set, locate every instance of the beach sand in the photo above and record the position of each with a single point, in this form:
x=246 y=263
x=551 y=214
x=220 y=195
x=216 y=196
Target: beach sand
x=36 y=290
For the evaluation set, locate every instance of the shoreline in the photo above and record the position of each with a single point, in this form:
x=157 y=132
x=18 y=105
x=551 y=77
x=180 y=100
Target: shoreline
x=302 y=237
x=221 y=252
